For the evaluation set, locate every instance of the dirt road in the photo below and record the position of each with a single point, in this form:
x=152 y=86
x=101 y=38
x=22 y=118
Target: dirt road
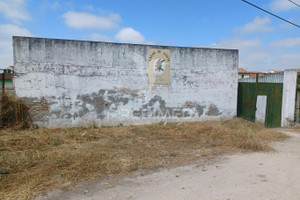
x=265 y=176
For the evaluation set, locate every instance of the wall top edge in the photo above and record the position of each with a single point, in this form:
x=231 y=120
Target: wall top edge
x=116 y=43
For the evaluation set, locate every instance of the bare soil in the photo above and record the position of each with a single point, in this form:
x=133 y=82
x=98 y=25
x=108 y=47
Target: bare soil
x=260 y=175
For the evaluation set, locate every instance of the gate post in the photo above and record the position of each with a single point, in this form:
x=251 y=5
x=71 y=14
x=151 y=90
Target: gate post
x=288 y=97
x=2 y=98
x=3 y=84
x=297 y=107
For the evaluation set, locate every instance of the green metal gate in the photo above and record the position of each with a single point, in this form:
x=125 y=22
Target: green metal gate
x=247 y=96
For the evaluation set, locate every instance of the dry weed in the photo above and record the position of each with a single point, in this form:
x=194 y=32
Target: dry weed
x=38 y=160
x=13 y=113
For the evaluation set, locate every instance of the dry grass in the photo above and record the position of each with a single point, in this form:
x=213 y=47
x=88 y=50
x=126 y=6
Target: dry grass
x=35 y=161
x=13 y=113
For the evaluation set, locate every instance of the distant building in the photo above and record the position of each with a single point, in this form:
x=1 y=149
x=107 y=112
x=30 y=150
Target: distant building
x=245 y=74
x=9 y=70
x=276 y=71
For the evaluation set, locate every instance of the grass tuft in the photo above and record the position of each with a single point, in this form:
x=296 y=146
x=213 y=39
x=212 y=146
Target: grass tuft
x=38 y=160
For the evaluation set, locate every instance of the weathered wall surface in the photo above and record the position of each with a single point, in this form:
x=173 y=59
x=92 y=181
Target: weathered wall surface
x=78 y=83
x=288 y=97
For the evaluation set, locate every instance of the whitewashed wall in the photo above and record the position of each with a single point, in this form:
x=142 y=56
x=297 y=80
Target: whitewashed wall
x=288 y=97
x=77 y=83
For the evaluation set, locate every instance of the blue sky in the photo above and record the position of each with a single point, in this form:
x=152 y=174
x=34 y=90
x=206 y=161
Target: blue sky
x=265 y=43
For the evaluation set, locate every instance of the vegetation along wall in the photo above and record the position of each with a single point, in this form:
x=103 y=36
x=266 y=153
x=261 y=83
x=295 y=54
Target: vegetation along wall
x=79 y=83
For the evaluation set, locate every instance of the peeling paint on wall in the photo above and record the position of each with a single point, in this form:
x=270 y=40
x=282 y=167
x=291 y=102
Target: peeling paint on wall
x=213 y=111
x=75 y=83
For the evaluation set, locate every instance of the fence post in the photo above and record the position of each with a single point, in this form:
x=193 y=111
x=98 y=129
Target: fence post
x=2 y=98
x=16 y=111
x=3 y=84
x=256 y=92
x=297 y=107
x=22 y=112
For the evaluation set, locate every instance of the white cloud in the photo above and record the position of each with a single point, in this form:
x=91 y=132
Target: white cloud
x=10 y=30
x=257 y=56
x=288 y=60
x=238 y=43
x=81 y=20
x=260 y=59
x=90 y=8
x=100 y=37
x=252 y=55
x=4 y=44
x=289 y=42
x=54 y=5
x=6 y=53
x=14 y=10
x=6 y=50
x=130 y=35
x=283 y=5
x=257 y=25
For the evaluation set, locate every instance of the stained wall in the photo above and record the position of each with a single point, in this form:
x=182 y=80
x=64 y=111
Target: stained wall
x=78 y=83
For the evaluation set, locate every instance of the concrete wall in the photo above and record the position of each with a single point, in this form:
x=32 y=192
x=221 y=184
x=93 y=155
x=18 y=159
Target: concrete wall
x=288 y=97
x=78 y=83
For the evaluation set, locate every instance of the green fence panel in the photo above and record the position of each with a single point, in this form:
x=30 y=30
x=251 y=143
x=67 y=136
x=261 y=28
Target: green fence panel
x=247 y=96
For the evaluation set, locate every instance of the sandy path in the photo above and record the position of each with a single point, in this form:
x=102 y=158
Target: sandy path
x=265 y=176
